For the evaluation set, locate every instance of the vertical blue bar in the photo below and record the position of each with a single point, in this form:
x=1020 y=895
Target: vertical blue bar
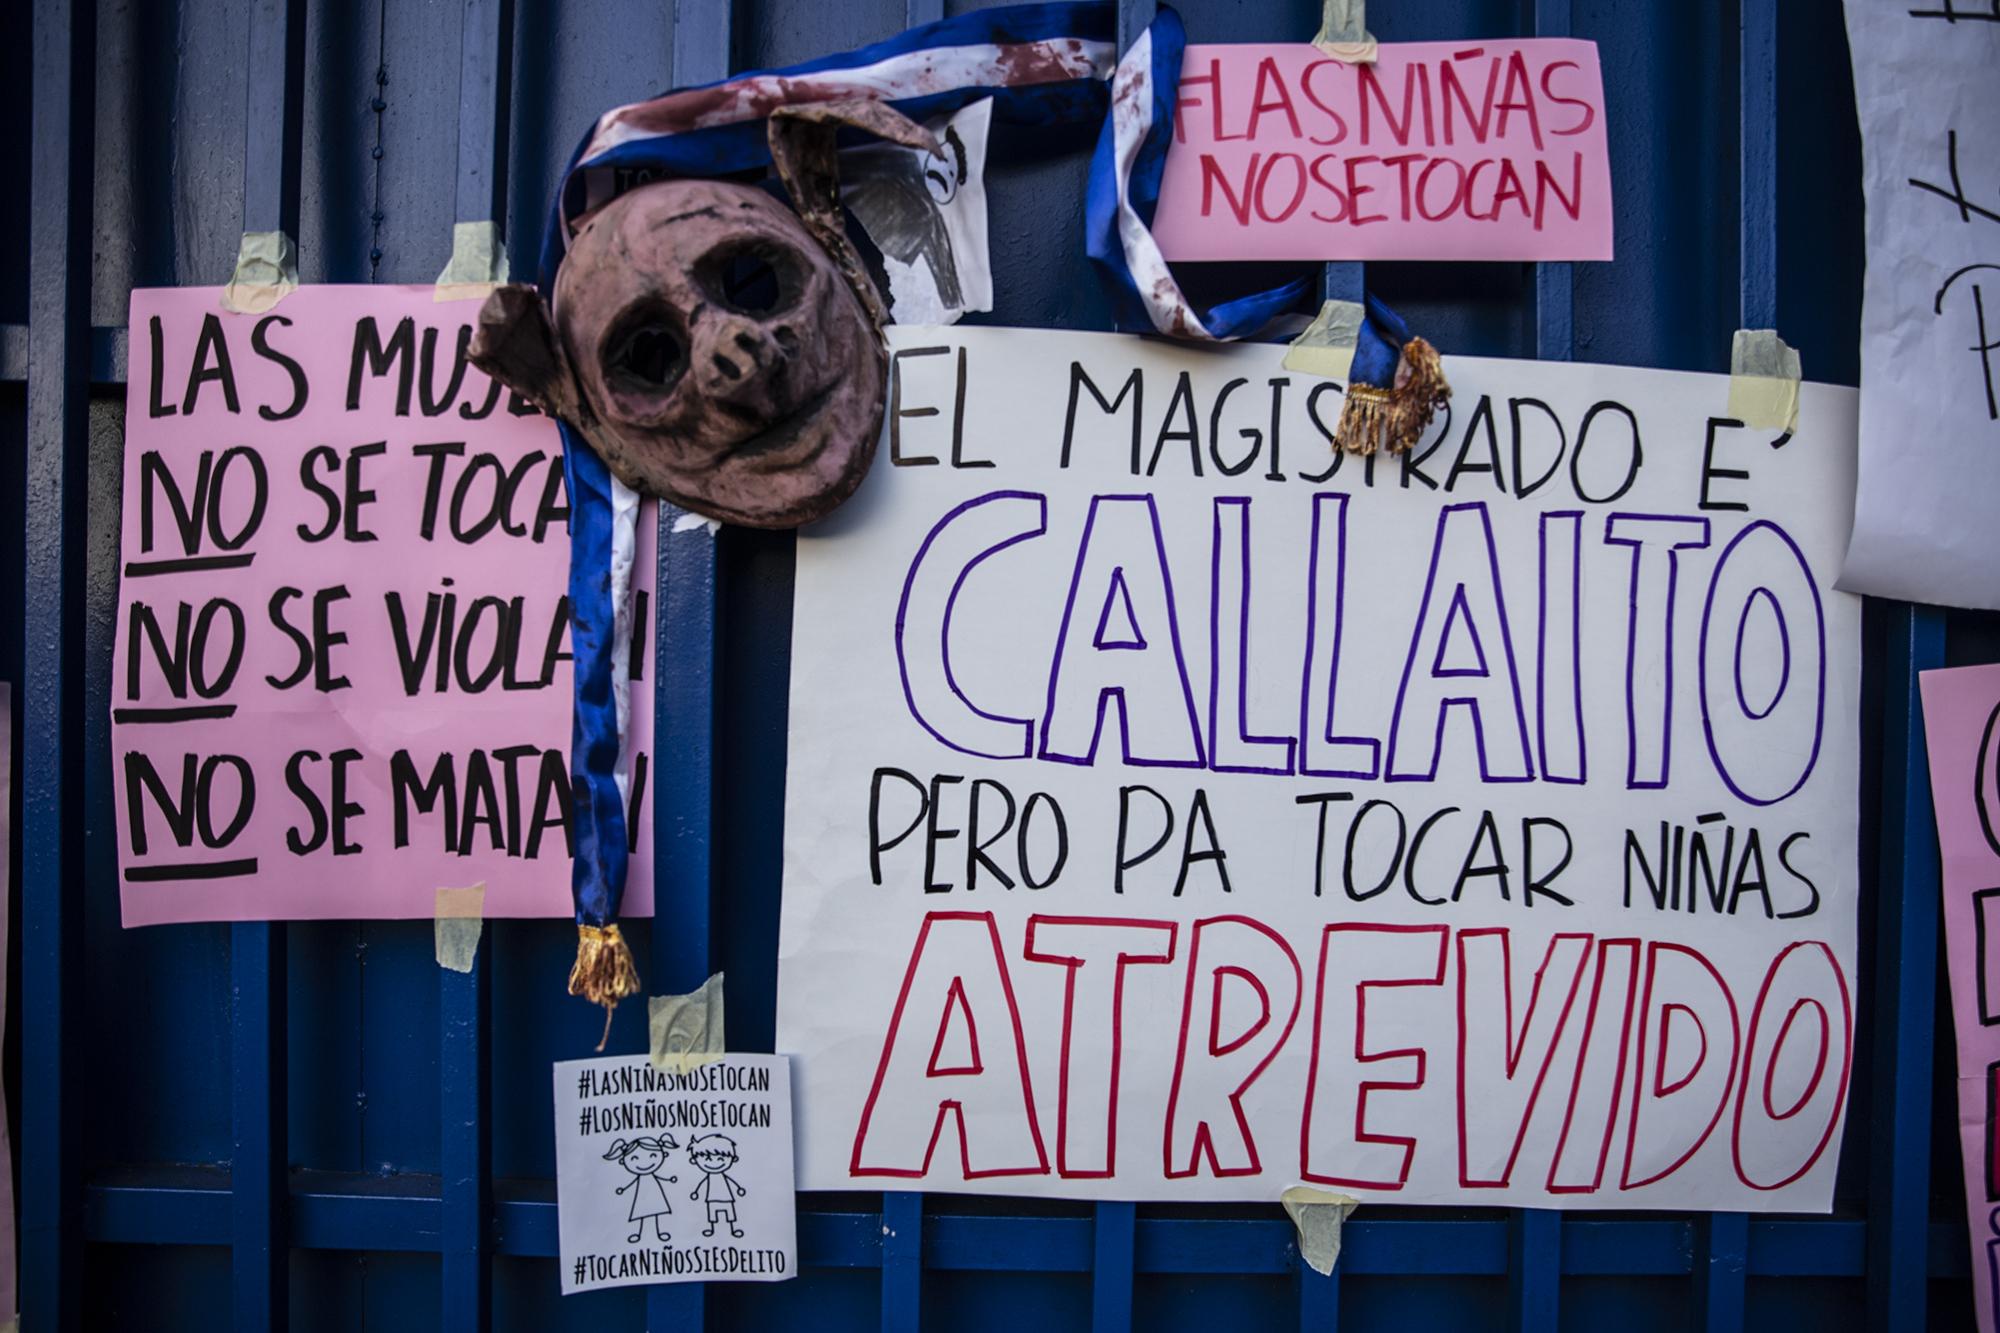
x=684 y=700
x=1534 y=1269
x=902 y=1262
x=1534 y=1235
x=1757 y=131
x=260 y=1249
x=464 y=998
x=1555 y=302
x=1906 y=945
x=62 y=133
x=1721 y=1261
x=1724 y=1237
x=1111 y=1271
x=1319 y=1300
x=259 y=1253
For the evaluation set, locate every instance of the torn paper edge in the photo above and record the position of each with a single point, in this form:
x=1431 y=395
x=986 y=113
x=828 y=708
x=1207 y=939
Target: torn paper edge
x=477 y=265
x=1318 y=1215
x=1764 y=376
x=1343 y=32
x=460 y=917
x=677 y=1044
x=267 y=271
x=1326 y=348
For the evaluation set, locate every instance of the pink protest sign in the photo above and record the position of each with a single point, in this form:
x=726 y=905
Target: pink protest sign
x=1438 y=150
x=1962 y=727
x=341 y=674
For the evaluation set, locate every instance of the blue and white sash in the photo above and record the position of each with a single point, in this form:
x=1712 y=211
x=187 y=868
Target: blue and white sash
x=1042 y=64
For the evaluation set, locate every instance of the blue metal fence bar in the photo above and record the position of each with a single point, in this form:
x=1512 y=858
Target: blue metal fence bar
x=1114 y=1224
x=60 y=190
x=258 y=1186
x=1535 y=1236
x=259 y=1255
x=1319 y=1298
x=1114 y=1229
x=464 y=998
x=1724 y=1237
x=485 y=62
x=1906 y=943
x=902 y=1257
x=684 y=700
x=178 y=1205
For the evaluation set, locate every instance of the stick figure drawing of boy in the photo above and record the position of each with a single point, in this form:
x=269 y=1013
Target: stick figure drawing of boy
x=715 y=1154
x=644 y=1157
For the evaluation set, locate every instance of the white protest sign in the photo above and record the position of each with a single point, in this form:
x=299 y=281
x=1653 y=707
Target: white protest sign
x=1927 y=86
x=674 y=1177
x=1178 y=811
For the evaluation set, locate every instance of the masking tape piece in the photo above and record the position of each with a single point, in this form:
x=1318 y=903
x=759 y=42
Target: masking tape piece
x=461 y=915
x=1343 y=32
x=686 y=1029
x=1318 y=1215
x=1764 y=377
x=689 y=522
x=1326 y=348
x=478 y=262
x=267 y=269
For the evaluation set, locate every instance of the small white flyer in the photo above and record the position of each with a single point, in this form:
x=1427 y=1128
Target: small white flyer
x=674 y=1177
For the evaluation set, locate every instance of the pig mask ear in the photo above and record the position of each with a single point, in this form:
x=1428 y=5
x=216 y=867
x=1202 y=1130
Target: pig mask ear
x=516 y=343
x=804 y=153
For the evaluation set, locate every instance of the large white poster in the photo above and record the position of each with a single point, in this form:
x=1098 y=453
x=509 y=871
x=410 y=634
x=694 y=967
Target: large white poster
x=1178 y=811
x=1927 y=85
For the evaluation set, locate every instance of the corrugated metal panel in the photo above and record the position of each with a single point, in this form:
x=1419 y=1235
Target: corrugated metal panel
x=244 y=1126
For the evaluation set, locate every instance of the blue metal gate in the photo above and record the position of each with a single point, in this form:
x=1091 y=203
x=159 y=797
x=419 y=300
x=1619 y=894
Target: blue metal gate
x=312 y=1125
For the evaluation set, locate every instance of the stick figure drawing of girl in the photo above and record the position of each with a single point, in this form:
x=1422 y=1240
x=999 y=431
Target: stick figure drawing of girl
x=643 y=1158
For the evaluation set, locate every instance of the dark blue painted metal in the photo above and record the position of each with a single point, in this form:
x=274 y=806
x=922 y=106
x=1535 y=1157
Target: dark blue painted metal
x=685 y=697
x=464 y=1005
x=59 y=186
x=1906 y=944
x=902 y=1251
x=274 y=116
x=376 y=1193
x=259 y=1233
x=1113 y=1229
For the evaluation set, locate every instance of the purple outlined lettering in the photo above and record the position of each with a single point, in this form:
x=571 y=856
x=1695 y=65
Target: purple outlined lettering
x=973 y=532
x=1322 y=754
x=1649 y=636
x=1751 y=767
x=1235 y=750
x=1507 y=760
x=1558 y=669
x=1122 y=541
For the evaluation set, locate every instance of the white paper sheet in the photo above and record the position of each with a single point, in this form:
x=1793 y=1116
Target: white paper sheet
x=1927 y=84
x=674 y=1176
x=1169 y=1033
x=926 y=213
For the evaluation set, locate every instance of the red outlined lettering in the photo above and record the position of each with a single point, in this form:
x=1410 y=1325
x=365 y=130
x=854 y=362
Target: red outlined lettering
x=1591 y=1054
x=1396 y=957
x=1010 y=1143
x=1496 y=1087
x=1081 y=946
x=1183 y=1149
x=1768 y=1134
x=1659 y=956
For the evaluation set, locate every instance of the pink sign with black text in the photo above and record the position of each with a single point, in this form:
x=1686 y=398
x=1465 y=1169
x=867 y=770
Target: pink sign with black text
x=1961 y=719
x=341 y=666
x=1437 y=150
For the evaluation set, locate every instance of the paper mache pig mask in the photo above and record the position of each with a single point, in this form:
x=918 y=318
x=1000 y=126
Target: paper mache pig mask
x=715 y=348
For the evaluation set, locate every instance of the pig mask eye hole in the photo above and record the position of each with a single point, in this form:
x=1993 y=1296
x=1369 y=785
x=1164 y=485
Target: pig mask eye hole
x=754 y=280
x=647 y=351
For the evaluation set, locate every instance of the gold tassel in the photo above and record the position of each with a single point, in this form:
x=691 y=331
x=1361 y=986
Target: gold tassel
x=604 y=972
x=1394 y=419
